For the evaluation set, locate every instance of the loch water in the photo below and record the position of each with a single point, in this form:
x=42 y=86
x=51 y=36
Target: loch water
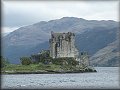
x=104 y=78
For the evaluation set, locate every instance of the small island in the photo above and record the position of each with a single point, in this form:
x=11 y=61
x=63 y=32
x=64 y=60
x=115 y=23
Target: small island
x=62 y=57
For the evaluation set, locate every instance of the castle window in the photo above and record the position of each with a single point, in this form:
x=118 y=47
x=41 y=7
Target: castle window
x=58 y=44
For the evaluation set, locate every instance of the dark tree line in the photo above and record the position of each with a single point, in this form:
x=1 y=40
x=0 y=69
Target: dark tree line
x=4 y=62
x=44 y=57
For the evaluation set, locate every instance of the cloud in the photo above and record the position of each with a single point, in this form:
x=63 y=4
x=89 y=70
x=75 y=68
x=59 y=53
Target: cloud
x=20 y=13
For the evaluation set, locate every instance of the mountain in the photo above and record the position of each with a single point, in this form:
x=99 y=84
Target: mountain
x=4 y=34
x=91 y=36
x=102 y=45
x=95 y=39
x=107 y=56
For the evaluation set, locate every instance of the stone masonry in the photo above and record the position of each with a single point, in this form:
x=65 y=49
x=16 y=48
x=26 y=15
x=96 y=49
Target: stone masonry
x=63 y=45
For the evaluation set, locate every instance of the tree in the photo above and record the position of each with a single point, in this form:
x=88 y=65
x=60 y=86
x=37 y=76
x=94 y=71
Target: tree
x=43 y=57
x=65 y=61
x=35 y=58
x=4 y=62
x=25 y=61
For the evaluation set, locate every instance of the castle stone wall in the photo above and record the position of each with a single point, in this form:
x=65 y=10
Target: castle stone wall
x=63 y=45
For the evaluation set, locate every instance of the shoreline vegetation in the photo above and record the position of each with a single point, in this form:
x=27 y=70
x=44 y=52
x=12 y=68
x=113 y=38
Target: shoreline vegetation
x=45 y=69
x=43 y=64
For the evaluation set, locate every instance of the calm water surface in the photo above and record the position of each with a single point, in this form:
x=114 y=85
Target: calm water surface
x=105 y=77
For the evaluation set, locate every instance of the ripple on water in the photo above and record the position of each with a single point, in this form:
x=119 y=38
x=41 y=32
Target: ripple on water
x=104 y=78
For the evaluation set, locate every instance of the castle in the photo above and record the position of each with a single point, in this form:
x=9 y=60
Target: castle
x=63 y=45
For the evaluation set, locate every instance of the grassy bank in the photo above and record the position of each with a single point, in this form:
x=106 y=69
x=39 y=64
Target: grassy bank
x=42 y=68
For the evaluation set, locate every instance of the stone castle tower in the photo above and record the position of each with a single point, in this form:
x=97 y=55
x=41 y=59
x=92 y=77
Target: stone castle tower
x=63 y=45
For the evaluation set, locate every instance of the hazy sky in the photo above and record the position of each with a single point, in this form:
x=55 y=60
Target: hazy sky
x=21 y=13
